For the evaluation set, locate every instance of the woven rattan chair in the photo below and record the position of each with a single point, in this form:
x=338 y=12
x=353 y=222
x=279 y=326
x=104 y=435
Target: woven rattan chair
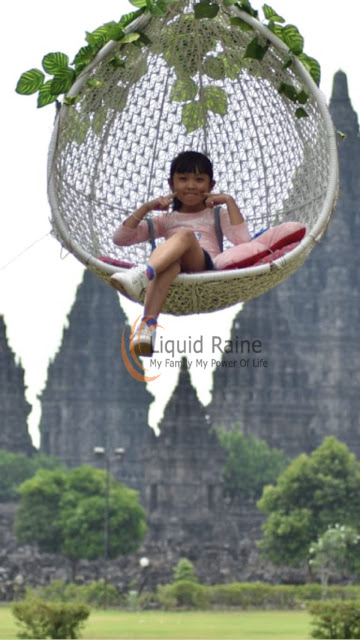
x=191 y=87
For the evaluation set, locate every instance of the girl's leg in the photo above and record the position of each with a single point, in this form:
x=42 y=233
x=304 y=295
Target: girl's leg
x=158 y=289
x=184 y=247
x=180 y=252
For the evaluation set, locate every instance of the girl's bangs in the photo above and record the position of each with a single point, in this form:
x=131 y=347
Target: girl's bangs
x=192 y=163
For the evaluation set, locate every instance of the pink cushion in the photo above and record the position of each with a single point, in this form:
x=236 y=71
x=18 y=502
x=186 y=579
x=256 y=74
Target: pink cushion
x=242 y=255
x=116 y=263
x=282 y=235
x=277 y=254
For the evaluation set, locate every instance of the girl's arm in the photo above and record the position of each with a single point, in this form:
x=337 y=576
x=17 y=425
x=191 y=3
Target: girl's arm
x=214 y=199
x=232 y=221
x=130 y=232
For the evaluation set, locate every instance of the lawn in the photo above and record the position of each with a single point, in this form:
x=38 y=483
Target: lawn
x=209 y=625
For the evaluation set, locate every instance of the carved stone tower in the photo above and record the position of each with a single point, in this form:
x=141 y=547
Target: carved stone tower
x=14 y=409
x=183 y=464
x=309 y=329
x=90 y=399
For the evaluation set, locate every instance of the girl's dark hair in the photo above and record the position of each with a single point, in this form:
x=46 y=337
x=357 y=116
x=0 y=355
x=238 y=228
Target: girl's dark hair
x=190 y=162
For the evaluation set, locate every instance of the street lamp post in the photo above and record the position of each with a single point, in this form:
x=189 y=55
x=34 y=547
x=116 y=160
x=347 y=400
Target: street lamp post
x=118 y=453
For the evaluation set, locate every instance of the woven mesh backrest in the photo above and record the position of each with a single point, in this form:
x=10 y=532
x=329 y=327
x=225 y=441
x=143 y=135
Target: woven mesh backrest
x=191 y=88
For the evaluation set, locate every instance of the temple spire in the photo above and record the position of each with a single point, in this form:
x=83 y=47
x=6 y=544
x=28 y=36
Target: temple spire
x=342 y=112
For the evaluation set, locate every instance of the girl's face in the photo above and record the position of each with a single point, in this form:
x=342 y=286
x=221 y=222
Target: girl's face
x=191 y=189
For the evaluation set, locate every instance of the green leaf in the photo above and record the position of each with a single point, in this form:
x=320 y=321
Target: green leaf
x=206 y=10
x=312 y=66
x=246 y=6
x=277 y=29
x=129 y=37
x=193 y=116
x=144 y=39
x=54 y=62
x=238 y=22
x=84 y=57
x=117 y=62
x=292 y=38
x=94 y=82
x=62 y=81
x=71 y=101
x=215 y=100
x=46 y=95
x=232 y=68
x=30 y=82
x=128 y=18
x=104 y=33
x=157 y=8
x=270 y=14
x=288 y=90
x=288 y=62
x=302 y=97
x=214 y=68
x=229 y=3
x=183 y=90
x=301 y=113
x=138 y=3
x=255 y=50
x=115 y=31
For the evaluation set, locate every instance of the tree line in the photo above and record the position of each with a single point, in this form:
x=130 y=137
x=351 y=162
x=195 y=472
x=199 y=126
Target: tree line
x=311 y=504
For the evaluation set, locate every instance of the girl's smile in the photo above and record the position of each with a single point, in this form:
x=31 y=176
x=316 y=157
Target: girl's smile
x=191 y=189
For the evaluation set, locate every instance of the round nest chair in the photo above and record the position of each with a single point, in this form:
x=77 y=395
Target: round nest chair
x=192 y=85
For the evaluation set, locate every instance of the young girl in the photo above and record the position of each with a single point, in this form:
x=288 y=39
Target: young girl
x=190 y=239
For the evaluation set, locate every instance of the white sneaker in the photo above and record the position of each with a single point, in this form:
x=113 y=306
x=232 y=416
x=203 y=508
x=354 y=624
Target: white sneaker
x=142 y=339
x=132 y=283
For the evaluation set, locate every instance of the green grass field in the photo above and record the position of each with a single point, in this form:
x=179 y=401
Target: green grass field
x=209 y=625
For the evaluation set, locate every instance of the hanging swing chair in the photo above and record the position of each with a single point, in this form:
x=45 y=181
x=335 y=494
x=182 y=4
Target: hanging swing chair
x=219 y=86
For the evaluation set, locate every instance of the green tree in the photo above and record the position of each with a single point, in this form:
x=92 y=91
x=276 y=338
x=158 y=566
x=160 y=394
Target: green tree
x=313 y=492
x=65 y=512
x=15 y=468
x=37 y=518
x=336 y=550
x=251 y=464
x=184 y=570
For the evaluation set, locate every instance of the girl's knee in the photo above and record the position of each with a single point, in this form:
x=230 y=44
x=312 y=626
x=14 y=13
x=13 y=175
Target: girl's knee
x=186 y=236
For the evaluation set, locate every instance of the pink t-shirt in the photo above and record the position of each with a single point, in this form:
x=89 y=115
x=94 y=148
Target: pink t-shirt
x=201 y=223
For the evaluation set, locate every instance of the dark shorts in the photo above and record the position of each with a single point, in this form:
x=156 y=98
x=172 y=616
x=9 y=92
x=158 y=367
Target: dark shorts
x=209 y=265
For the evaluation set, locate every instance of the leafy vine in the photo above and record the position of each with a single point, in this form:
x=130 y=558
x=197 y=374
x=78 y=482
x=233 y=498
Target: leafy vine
x=63 y=74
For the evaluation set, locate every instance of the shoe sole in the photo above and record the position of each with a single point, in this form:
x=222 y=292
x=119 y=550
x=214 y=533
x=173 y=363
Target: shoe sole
x=142 y=349
x=120 y=288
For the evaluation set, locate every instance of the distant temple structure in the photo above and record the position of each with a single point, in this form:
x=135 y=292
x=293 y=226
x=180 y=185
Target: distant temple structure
x=14 y=408
x=90 y=399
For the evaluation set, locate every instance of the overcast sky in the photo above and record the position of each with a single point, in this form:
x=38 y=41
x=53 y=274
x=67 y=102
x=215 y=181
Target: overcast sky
x=38 y=284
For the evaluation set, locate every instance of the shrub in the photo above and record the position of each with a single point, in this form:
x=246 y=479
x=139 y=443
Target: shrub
x=184 y=594
x=335 y=619
x=43 y=619
x=184 y=570
x=254 y=595
x=95 y=593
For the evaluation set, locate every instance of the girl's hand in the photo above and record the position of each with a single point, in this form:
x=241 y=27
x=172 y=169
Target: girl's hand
x=161 y=204
x=214 y=199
